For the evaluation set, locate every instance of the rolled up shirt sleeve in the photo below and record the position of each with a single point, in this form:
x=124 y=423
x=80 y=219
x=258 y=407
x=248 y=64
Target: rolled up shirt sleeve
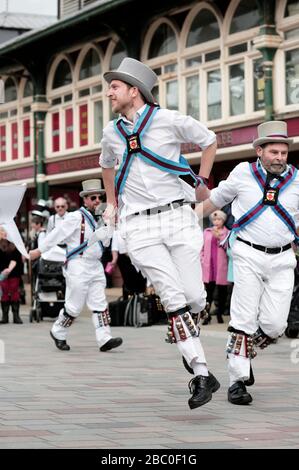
x=189 y=130
x=107 y=158
x=228 y=189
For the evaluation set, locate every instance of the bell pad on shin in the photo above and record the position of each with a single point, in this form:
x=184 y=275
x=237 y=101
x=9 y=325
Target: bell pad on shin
x=67 y=320
x=240 y=344
x=262 y=340
x=182 y=324
x=103 y=317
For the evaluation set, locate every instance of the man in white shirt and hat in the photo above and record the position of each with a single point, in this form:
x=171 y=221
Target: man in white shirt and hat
x=162 y=233
x=83 y=271
x=265 y=202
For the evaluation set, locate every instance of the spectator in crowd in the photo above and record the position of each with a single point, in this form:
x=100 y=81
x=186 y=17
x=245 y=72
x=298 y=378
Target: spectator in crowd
x=214 y=263
x=11 y=270
x=60 y=206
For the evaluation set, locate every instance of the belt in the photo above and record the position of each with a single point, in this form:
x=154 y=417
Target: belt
x=265 y=249
x=159 y=209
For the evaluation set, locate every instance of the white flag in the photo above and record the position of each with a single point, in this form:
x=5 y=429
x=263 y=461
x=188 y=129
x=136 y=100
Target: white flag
x=10 y=201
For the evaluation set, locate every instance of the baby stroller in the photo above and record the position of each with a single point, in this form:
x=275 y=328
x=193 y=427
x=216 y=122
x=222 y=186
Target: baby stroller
x=292 y=329
x=48 y=289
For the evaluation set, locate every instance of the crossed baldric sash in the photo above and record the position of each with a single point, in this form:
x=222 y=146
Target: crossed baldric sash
x=134 y=147
x=79 y=250
x=269 y=199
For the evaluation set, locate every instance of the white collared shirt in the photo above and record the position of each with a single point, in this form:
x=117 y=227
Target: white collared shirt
x=242 y=188
x=147 y=186
x=69 y=231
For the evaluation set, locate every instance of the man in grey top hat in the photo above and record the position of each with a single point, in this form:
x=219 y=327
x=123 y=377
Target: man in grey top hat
x=162 y=234
x=265 y=200
x=83 y=271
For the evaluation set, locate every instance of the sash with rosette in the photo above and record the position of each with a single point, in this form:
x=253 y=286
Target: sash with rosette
x=79 y=250
x=269 y=200
x=134 y=147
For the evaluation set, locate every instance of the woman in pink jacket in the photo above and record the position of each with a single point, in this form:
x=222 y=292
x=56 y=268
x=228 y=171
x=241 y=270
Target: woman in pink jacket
x=214 y=262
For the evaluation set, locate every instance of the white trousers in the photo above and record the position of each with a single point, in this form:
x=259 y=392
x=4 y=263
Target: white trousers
x=261 y=297
x=166 y=248
x=85 y=284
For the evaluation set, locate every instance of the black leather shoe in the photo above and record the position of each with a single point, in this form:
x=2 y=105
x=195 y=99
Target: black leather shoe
x=251 y=379
x=238 y=395
x=60 y=343
x=213 y=382
x=111 y=344
x=201 y=391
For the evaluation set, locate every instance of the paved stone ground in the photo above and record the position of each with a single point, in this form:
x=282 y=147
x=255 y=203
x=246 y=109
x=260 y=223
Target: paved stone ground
x=136 y=396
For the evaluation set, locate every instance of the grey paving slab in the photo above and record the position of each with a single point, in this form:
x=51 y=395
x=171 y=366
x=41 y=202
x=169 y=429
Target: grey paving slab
x=136 y=396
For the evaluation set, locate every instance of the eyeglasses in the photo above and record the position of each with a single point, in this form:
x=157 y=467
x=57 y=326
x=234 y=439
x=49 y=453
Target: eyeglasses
x=93 y=198
x=59 y=207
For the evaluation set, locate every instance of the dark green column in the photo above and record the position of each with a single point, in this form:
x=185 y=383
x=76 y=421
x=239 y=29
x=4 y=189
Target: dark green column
x=267 y=42
x=37 y=67
x=39 y=108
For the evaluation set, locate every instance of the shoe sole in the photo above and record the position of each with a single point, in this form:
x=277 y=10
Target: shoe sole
x=53 y=337
x=241 y=401
x=112 y=346
x=192 y=406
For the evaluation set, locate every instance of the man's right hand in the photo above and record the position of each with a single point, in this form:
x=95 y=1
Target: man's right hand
x=110 y=214
x=34 y=254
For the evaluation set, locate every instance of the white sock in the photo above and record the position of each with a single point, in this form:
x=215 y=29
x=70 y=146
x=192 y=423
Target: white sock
x=200 y=368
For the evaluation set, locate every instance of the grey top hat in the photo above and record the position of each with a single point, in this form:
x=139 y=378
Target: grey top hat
x=91 y=187
x=137 y=74
x=271 y=132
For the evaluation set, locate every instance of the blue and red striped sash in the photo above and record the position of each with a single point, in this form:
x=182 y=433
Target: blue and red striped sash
x=260 y=207
x=180 y=168
x=79 y=250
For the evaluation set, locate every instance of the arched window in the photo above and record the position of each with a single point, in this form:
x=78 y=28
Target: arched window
x=28 y=89
x=91 y=65
x=10 y=90
x=63 y=75
x=204 y=28
x=118 y=55
x=163 y=42
x=246 y=17
x=291 y=8
x=287 y=57
x=245 y=89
